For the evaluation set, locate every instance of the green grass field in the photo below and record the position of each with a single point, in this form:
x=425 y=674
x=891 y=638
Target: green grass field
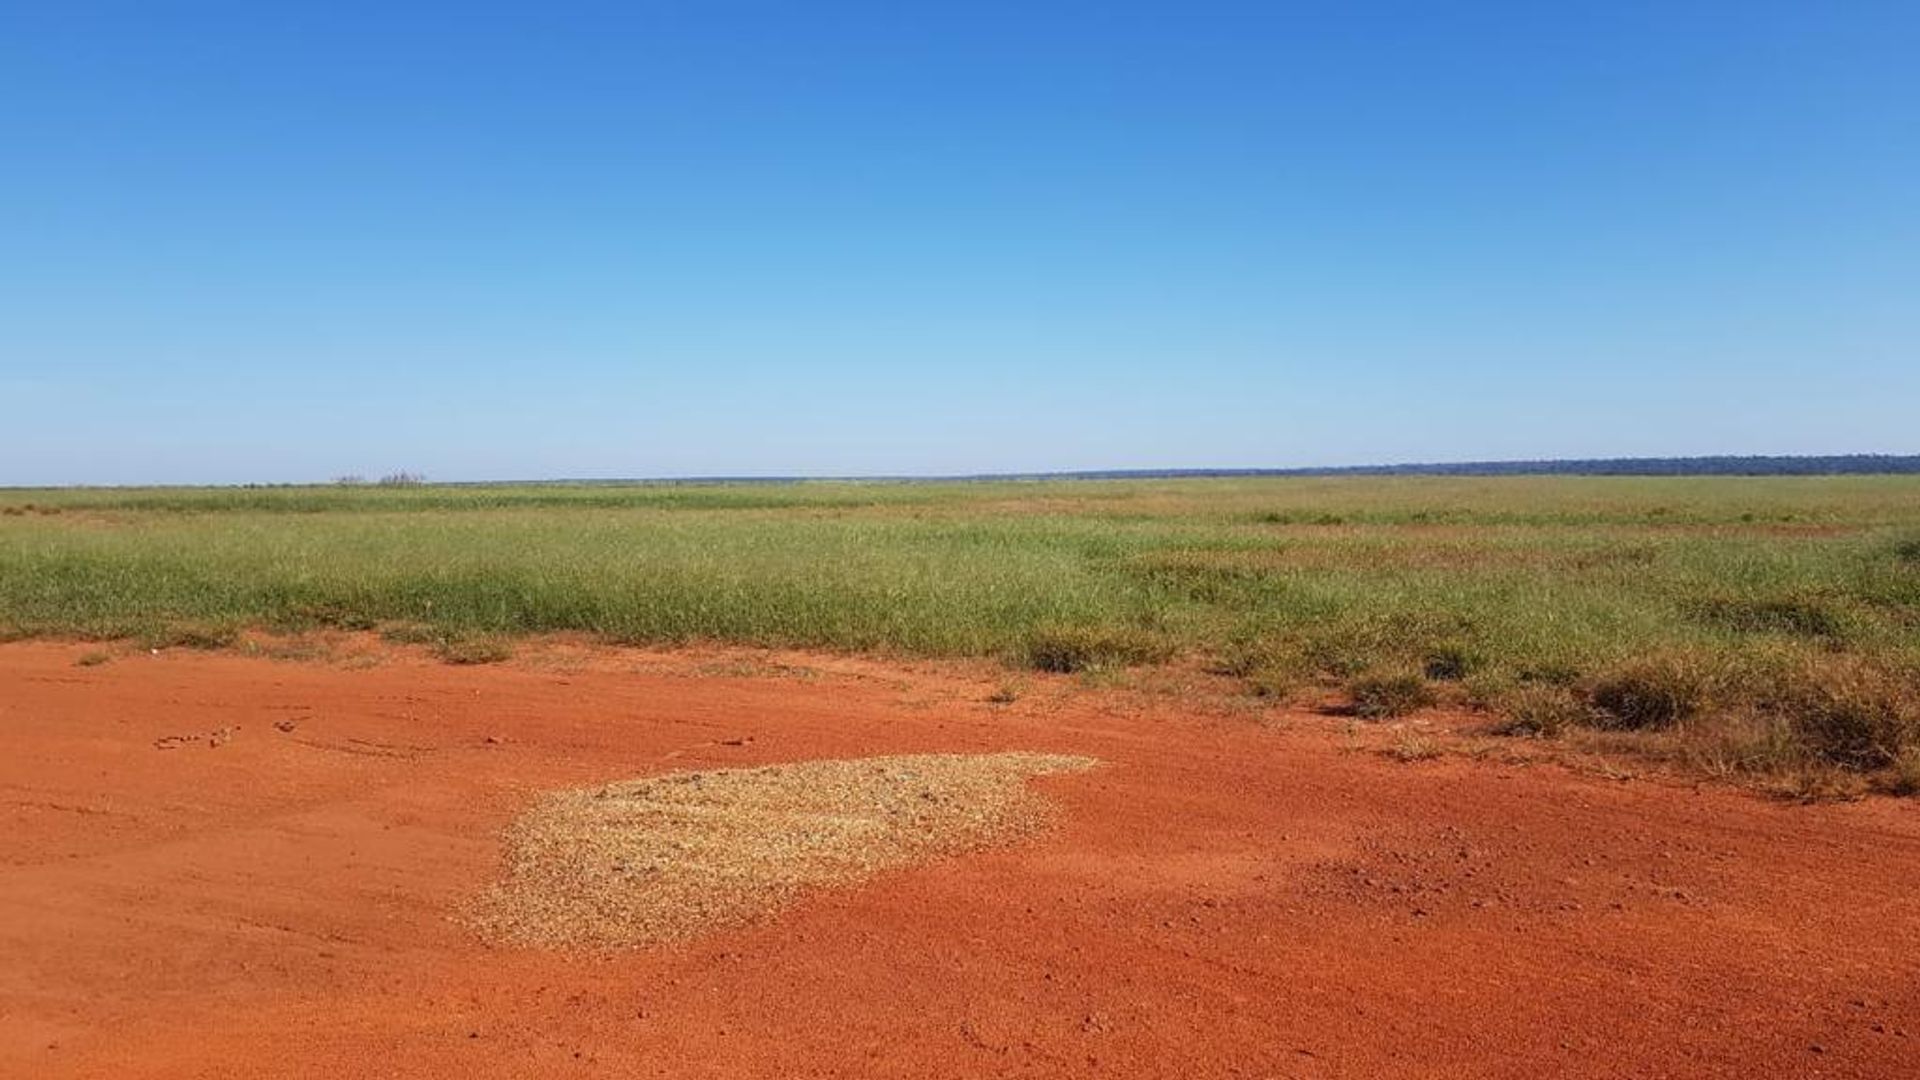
x=1792 y=604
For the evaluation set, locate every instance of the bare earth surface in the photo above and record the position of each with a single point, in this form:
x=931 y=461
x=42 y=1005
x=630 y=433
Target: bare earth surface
x=214 y=865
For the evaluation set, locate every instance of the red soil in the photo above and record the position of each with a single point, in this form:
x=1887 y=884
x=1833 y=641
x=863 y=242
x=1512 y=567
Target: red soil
x=1232 y=894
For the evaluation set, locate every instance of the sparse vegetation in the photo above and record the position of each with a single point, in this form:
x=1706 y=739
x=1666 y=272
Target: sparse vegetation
x=1450 y=663
x=1411 y=746
x=219 y=635
x=1803 y=615
x=482 y=650
x=1648 y=694
x=1666 y=605
x=1070 y=649
x=1904 y=777
x=1848 y=712
x=1381 y=697
x=1542 y=710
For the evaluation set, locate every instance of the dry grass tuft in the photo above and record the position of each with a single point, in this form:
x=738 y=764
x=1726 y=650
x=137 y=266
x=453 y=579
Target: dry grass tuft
x=1410 y=746
x=1543 y=711
x=475 y=650
x=1650 y=694
x=1071 y=649
x=1382 y=697
x=1849 y=712
x=671 y=856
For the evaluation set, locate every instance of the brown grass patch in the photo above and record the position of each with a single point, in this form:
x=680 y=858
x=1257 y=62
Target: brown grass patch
x=1382 y=697
x=1651 y=693
x=1071 y=649
x=672 y=856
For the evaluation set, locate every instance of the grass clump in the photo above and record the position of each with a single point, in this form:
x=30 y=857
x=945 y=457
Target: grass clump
x=334 y=614
x=1850 y=713
x=1384 y=696
x=413 y=634
x=1904 y=776
x=1071 y=649
x=193 y=636
x=1450 y=663
x=1411 y=746
x=1270 y=668
x=1369 y=639
x=1278 y=680
x=1648 y=695
x=1800 y=615
x=1804 y=722
x=480 y=650
x=1545 y=712
x=451 y=646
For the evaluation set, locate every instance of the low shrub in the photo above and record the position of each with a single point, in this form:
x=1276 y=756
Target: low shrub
x=1069 y=649
x=1541 y=711
x=1904 y=777
x=1414 y=746
x=1241 y=657
x=1802 y=615
x=1271 y=667
x=1393 y=639
x=1450 y=663
x=1746 y=742
x=1849 y=711
x=1648 y=694
x=1276 y=680
x=412 y=634
x=1381 y=697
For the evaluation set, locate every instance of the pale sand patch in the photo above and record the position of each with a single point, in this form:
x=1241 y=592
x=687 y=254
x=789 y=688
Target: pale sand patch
x=671 y=856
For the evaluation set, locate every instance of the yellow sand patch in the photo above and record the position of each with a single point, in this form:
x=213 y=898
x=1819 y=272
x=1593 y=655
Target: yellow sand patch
x=670 y=856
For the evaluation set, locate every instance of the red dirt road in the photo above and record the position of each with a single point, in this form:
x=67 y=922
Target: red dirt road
x=1231 y=894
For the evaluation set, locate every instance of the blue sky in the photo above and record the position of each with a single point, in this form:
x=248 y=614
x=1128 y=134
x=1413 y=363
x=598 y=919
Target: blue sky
x=264 y=242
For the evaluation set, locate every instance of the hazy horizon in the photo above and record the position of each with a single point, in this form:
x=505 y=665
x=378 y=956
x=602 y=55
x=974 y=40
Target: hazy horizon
x=1838 y=465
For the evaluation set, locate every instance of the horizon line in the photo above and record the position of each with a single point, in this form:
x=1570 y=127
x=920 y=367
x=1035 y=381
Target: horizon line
x=1853 y=464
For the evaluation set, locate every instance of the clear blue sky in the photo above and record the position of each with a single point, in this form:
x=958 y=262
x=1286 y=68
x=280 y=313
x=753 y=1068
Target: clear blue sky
x=258 y=242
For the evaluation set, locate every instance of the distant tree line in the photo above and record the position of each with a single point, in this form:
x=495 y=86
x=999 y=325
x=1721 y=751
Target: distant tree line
x=1742 y=465
x=1720 y=465
x=398 y=479
x=1726 y=465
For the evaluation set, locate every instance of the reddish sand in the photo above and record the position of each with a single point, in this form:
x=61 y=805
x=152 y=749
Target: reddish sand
x=1232 y=894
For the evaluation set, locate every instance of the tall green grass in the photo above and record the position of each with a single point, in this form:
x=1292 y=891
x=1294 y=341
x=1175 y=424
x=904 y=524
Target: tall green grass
x=1522 y=571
